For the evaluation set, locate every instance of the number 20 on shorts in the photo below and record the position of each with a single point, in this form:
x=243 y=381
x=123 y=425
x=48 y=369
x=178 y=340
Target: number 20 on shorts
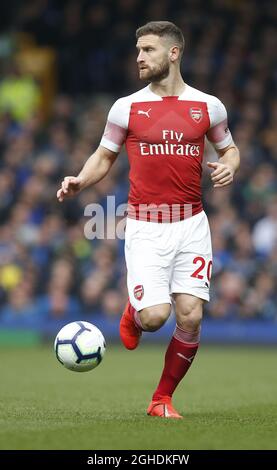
x=201 y=268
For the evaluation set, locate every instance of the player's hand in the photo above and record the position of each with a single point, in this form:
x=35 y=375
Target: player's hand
x=222 y=174
x=71 y=185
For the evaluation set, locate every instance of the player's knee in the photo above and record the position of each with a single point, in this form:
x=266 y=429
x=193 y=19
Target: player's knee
x=153 y=323
x=153 y=318
x=190 y=319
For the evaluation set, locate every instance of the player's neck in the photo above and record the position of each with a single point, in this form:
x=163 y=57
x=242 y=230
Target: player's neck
x=170 y=86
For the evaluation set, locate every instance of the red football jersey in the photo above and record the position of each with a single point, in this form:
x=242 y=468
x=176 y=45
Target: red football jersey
x=165 y=139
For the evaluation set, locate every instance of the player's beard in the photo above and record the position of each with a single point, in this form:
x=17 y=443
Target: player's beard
x=157 y=73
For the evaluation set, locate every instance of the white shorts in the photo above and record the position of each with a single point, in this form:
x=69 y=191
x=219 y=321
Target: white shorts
x=167 y=258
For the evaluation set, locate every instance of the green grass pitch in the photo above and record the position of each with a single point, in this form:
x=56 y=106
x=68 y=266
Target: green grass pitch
x=228 y=399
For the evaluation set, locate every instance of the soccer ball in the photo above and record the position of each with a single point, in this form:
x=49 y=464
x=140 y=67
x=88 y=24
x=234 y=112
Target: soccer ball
x=80 y=346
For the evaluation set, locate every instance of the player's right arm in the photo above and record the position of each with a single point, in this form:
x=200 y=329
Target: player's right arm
x=95 y=168
x=100 y=162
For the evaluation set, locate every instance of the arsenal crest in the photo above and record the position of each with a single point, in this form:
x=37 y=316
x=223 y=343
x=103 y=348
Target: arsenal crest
x=138 y=292
x=196 y=114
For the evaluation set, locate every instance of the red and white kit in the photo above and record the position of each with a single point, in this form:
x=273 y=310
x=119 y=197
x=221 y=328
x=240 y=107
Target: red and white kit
x=168 y=245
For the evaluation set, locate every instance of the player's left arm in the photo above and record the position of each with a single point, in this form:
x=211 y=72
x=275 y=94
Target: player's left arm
x=220 y=137
x=226 y=166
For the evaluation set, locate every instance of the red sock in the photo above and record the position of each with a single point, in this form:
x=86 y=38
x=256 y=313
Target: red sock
x=178 y=358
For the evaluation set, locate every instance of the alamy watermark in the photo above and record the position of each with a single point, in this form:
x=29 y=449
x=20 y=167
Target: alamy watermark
x=110 y=223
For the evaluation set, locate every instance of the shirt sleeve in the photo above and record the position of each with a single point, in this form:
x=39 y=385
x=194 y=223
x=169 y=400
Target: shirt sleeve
x=116 y=128
x=219 y=133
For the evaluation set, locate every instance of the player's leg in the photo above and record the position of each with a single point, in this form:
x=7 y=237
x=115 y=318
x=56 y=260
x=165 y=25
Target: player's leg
x=183 y=345
x=134 y=322
x=190 y=288
x=148 y=272
x=154 y=317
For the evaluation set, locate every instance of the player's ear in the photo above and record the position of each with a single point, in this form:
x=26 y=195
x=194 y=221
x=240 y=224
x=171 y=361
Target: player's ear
x=174 y=53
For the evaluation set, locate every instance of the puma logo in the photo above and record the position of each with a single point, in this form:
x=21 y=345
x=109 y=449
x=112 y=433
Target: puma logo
x=145 y=112
x=189 y=359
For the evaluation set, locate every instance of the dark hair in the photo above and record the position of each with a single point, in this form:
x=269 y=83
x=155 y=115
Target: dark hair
x=161 y=29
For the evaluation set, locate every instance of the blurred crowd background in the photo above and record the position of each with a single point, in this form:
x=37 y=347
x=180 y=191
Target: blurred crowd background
x=63 y=63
